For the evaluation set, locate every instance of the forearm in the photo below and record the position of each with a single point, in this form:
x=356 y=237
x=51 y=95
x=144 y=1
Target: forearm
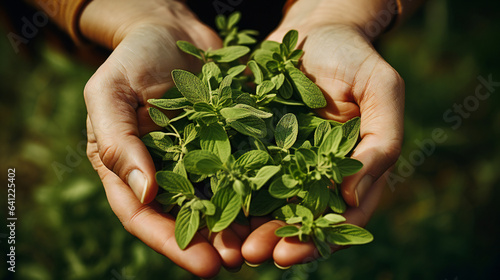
x=106 y=22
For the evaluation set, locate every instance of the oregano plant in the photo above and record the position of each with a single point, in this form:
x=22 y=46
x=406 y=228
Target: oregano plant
x=248 y=143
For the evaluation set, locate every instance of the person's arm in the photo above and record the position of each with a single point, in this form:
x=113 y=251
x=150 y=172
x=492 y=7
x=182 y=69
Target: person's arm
x=142 y=35
x=338 y=56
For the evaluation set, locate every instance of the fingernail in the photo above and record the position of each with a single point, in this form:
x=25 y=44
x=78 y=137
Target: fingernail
x=281 y=267
x=362 y=187
x=233 y=270
x=252 y=264
x=137 y=181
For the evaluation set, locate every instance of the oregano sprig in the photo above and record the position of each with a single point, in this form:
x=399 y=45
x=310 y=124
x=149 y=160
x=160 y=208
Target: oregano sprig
x=247 y=143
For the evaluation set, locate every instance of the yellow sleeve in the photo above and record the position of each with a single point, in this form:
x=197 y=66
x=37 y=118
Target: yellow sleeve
x=65 y=13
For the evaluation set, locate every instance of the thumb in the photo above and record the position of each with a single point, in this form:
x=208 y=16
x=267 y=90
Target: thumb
x=112 y=108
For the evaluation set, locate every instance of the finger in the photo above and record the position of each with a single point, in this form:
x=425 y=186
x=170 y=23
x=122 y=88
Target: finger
x=112 y=112
x=381 y=103
x=228 y=245
x=290 y=251
x=241 y=230
x=259 y=245
x=154 y=229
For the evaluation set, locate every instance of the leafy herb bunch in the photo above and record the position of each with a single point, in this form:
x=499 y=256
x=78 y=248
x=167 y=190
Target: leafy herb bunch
x=254 y=140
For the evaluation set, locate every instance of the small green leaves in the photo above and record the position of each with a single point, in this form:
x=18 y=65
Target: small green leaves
x=202 y=162
x=347 y=234
x=286 y=132
x=170 y=104
x=191 y=87
x=219 y=140
x=309 y=92
x=252 y=159
x=186 y=225
x=241 y=111
x=174 y=183
x=190 y=49
x=287 y=231
x=331 y=141
x=250 y=126
x=158 y=117
x=290 y=39
x=228 y=205
x=263 y=175
x=227 y=54
x=214 y=138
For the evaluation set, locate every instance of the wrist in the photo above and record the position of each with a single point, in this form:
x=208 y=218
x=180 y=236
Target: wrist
x=128 y=15
x=370 y=17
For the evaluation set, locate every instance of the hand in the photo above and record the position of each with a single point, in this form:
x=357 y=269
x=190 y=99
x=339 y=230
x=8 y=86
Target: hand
x=356 y=81
x=144 y=40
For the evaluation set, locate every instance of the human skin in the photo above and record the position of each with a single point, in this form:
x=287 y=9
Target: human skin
x=338 y=57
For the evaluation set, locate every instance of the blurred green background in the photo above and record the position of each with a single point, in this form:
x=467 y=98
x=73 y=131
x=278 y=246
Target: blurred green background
x=438 y=221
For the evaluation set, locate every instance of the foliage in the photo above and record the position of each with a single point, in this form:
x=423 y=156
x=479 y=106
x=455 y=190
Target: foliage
x=221 y=109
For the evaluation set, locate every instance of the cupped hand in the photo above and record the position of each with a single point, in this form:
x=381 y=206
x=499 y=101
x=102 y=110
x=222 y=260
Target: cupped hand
x=356 y=81
x=116 y=97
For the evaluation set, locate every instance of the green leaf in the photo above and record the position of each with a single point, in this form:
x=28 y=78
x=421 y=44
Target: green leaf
x=320 y=132
x=331 y=141
x=233 y=19
x=278 y=80
x=186 y=225
x=202 y=162
x=349 y=166
x=350 y=132
x=228 y=205
x=286 y=90
x=211 y=70
x=278 y=189
x=347 y=234
x=263 y=175
x=214 y=138
x=250 y=126
x=220 y=22
x=257 y=73
x=286 y=132
x=240 y=111
x=190 y=49
x=174 y=183
x=301 y=162
x=209 y=207
x=157 y=140
x=336 y=203
x=272 y=66
x=272 y=46
x=236 y=70
x=317 y=197
x=309 y=91
x=252 y=159
x=240 y=188
x=191 y=87
x=309 y=156
x=263 y=203
x=334 y=218
x=264 y=87
x=296 y=55
x=287 y=231
x=167 y=198
x=190 y=133
x=171 y=104
x=289 y=181
x=158 y=117
x=290 y=39
x=323 y=247
x=228 y=54
x=294 y=210
x=180 y=169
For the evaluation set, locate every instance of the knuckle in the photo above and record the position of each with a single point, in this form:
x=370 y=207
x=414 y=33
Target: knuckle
x=109 y=154
x=392 y=153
